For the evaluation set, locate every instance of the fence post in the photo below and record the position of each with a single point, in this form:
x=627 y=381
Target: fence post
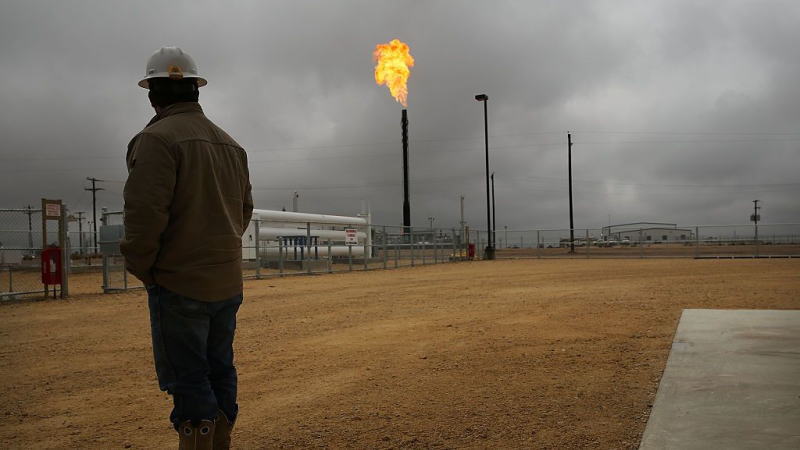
x=307 y=259
x=641 y=244
x=330 y=257
x=435 y=248
x=385 y=256
x=411 y=242
x=453 y=244
x=538 y=246
x=350 y=257
x=464 y=241
x=396 y=255
x=696 y=241
x=587 y=243
x=124 y=275
x=257 y=227
x=65 y=259
x=757 y=242
x=280 y=255
x=105 y=274
x=367 y=250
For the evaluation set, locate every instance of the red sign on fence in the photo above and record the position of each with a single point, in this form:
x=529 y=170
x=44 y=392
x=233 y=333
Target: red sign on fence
x=52 y=209
x=350 y=236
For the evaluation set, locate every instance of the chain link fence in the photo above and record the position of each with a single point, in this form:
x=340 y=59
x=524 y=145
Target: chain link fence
x=697 y=241
x=278 y=249
x=315 y=248
x=115 y=276
x=274 y=249
x=20 y=247
x=271 y=249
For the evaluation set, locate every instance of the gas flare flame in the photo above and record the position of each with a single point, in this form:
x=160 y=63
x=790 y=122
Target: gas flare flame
x=392 y=68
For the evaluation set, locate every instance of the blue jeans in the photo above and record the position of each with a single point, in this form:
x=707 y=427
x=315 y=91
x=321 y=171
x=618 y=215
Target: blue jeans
x=193 y=352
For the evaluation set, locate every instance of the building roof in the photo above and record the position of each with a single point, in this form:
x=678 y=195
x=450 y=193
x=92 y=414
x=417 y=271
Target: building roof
x=651 y=228
x=635 y=226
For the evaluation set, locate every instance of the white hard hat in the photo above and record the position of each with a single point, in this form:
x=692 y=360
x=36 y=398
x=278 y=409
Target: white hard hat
x=173 y=63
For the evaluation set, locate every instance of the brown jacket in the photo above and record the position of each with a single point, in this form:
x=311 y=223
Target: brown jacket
x=187 y=203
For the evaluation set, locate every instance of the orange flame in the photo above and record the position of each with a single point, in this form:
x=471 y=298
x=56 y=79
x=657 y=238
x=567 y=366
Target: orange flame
x=393 y=68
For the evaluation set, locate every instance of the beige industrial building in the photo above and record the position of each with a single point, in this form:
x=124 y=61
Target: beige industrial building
x=646 y=232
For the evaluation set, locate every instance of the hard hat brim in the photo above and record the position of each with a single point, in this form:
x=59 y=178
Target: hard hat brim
x=143 y=83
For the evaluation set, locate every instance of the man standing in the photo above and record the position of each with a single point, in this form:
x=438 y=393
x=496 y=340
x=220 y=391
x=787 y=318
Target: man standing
x=187 y=203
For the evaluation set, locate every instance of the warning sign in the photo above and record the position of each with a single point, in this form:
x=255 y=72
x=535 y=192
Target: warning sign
x=52 y=209
x=350 y=236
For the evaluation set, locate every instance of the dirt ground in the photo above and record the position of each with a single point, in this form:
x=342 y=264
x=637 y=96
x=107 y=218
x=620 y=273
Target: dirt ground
x=503 y=354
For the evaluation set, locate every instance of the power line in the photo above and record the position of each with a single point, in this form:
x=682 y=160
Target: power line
x=548 y=180
x=683 y=141
x=793 y=136
x=729 y=133
x=693 y=185
x=429 y=154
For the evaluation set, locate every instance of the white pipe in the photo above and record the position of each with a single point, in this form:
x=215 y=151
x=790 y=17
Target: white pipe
x=271 y=233
x=297 y=217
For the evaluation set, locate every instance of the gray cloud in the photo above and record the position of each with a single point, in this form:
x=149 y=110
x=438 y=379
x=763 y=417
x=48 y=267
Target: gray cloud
x=681 y=111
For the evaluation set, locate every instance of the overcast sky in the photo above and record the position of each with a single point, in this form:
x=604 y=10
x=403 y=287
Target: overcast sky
x=680 y=111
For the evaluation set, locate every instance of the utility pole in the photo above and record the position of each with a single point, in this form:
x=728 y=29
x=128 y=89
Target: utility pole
x=94 y=190
x=29 y=212
x=506 y=235
x=571 y=223
x=430 y=221
x=755 y=218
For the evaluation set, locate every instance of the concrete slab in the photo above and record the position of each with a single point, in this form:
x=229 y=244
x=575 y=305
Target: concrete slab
x=732 y=382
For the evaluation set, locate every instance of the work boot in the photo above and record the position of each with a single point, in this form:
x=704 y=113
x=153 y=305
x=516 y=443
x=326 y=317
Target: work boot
x=196 y=437
x=222 y=434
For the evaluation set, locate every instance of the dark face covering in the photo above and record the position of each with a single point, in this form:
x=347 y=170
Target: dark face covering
x=165 y=92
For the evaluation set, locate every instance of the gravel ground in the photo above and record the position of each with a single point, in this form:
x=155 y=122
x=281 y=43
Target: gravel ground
x=503 y=354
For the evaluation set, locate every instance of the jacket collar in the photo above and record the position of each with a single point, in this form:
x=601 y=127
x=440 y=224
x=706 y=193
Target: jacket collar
x=176 y=108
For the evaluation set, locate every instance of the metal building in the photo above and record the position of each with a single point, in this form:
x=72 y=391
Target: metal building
x=646 y=232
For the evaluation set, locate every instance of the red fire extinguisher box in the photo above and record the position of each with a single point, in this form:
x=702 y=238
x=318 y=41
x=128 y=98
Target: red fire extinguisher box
x=51 y=266
x=471 y=251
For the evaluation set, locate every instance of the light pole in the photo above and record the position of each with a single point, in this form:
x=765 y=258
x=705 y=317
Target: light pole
x=494 y=218
x=571 y=223
x=490 y=242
